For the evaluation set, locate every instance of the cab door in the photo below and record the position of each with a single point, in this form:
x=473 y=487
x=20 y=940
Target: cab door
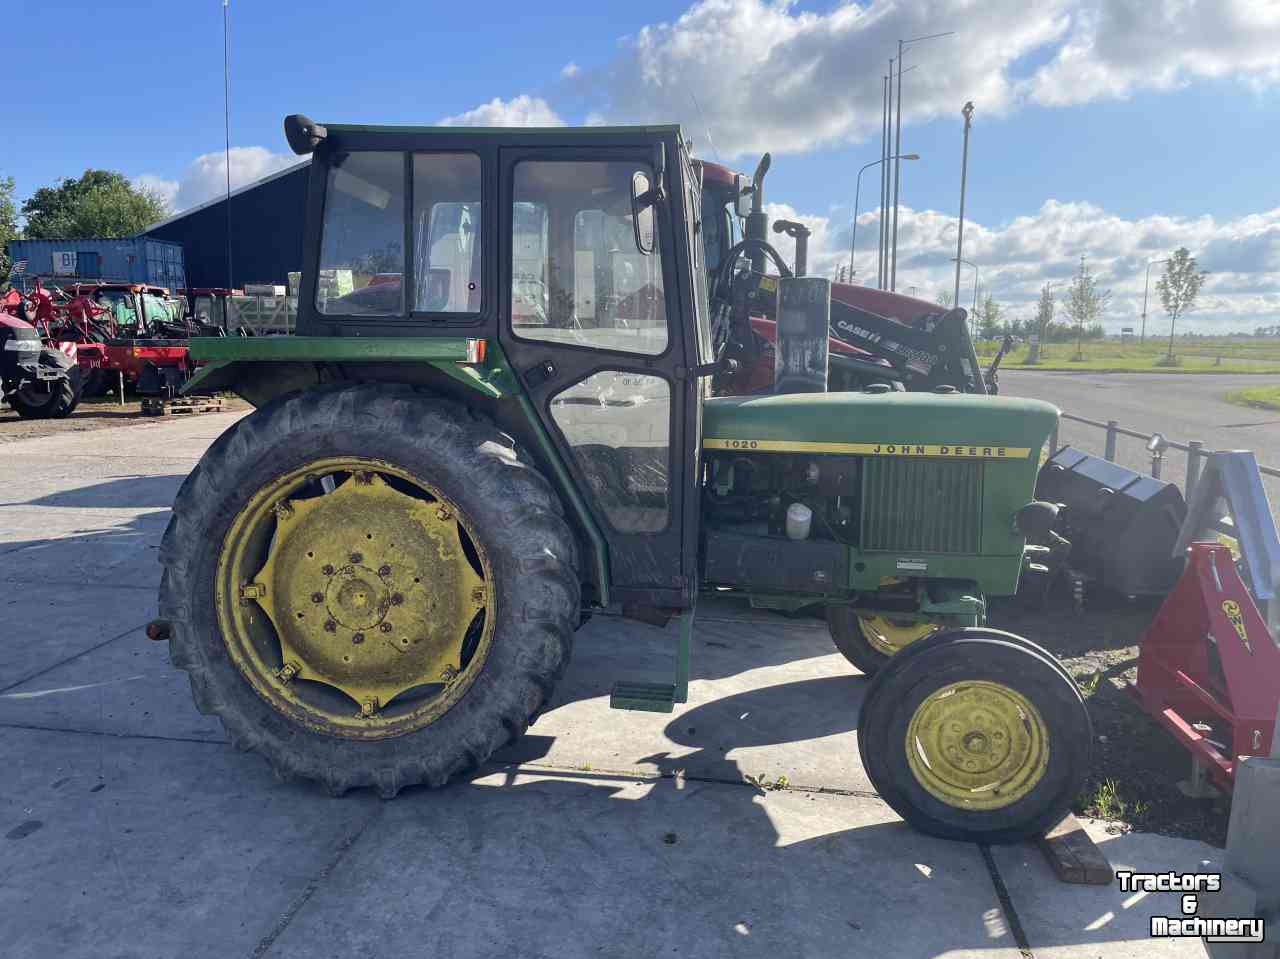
x=598 y=331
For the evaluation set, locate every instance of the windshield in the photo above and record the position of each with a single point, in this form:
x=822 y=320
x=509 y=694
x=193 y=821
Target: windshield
x=156 y=309
x=698 y=222
x=719 y=227
x=121 y=304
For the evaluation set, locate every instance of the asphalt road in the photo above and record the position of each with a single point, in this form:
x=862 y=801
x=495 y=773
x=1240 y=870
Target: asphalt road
x=1182 y=407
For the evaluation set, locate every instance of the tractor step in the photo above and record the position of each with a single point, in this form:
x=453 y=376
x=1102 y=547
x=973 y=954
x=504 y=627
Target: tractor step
x=158 y=406
x=647 y=697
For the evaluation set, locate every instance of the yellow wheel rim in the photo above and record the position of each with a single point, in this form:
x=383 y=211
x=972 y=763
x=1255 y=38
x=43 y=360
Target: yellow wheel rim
x=977 y=745
x=354 y=598
x=889 y=635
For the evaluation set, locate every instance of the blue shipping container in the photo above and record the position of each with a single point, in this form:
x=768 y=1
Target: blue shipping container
x=135 y=259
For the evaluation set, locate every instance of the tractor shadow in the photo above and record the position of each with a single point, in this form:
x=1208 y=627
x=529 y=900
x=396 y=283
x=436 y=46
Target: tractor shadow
x=122 y=492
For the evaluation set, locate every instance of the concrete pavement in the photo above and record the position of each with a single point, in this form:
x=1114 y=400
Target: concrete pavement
x=132 y=829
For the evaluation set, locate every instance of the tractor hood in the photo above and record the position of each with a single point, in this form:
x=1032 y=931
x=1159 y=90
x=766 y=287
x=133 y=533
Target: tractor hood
x=893 y=424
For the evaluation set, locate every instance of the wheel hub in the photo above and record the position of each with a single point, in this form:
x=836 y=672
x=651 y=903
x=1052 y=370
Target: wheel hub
x=889 y=635
x=977 y=745
x=366 y=589
x=357 y=598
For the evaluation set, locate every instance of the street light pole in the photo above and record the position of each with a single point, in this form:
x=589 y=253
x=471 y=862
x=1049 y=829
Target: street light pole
x=857 y=194
x=884 y=178
x=967 y=111
x=897 y=148
x=976 y=275
x=1145 y=287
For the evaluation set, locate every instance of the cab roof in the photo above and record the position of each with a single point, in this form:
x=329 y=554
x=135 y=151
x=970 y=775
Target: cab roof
x=662 y=129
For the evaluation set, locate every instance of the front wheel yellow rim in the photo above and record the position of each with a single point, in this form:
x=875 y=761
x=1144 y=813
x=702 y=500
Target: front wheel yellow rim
x=890 y=635
x=977 y=745
x=355 y=598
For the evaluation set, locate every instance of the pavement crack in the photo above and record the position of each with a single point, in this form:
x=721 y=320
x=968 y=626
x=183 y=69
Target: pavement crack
x=1006 y=903
x=84 y=652
x=34 y=727
x=544 y=769
x=344 y=847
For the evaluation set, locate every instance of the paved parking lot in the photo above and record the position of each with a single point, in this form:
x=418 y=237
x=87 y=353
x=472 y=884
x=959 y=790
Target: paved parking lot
x=132 y=829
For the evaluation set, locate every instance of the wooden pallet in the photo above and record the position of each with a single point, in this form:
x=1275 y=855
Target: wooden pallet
x=181 y=406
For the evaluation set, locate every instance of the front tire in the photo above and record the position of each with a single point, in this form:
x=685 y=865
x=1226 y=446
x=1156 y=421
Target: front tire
x=330 y=702
x=976 y=735
x=50 y=399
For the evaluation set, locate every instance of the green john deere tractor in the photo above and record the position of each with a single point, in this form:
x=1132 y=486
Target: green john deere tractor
x=495 y=415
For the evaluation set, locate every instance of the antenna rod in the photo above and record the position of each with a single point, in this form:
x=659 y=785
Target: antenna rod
x=226 y=128
x=706 y=125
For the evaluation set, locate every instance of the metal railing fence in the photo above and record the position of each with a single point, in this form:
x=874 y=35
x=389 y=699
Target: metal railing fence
x=1195 y=449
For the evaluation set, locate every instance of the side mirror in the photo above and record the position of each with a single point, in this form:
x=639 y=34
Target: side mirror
x=642 y=202
x=742 y=192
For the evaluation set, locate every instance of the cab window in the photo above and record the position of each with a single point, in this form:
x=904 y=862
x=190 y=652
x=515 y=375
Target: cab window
x=578 y=276
x=362 y=240
x=447 y=241
x=155 y=309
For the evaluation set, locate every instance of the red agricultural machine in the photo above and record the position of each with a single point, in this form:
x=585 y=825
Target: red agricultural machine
x=39 y=381
x=130 y=334
x=878 y=340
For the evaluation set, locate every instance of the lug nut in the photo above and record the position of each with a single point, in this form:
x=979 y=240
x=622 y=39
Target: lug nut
x=327 y=569
x=384 y=570
x=396 y=599
x=385 y=627
x=358 y=638
x=357 y=558
x=330 y=626
x=317 y=597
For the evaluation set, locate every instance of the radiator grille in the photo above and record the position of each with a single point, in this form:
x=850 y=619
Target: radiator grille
x=921 y=505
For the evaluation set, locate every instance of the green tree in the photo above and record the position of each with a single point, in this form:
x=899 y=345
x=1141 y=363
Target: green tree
x=8 y=225
x=1039 y=327
x=1084 y=303
x=1179 y=287
x=989 y=318
x=99 y=203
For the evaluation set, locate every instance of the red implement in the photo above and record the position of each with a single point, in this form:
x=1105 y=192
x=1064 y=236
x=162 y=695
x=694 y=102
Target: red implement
x=1208 y=669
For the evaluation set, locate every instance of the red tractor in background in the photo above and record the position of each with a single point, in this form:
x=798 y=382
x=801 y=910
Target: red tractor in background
x=39 y=381
x=879 y=340
x=117 y=332
x=208 y=308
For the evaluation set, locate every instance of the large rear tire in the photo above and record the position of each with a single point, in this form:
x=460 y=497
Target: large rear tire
x=375 y=513
x=50 y=399
x=975 y=735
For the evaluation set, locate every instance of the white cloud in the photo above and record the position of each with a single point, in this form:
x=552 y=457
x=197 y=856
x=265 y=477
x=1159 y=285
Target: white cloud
x=521 y=111
x=166 y=190
x=770 y=76
x=1016 y=259
x=1118 y=46
x=569 y=70
x=206 y=176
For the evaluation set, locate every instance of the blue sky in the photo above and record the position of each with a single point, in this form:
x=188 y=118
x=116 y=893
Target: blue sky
x=1111 y=128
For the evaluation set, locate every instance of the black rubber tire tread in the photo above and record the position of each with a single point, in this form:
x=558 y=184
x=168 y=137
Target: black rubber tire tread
x=96 y=383
x=842 y=621
x=66 y=392
x=514 y=513
x=975 y=653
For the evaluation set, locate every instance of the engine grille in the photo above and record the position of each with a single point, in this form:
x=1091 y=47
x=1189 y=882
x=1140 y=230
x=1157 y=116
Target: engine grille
x=921 y=505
